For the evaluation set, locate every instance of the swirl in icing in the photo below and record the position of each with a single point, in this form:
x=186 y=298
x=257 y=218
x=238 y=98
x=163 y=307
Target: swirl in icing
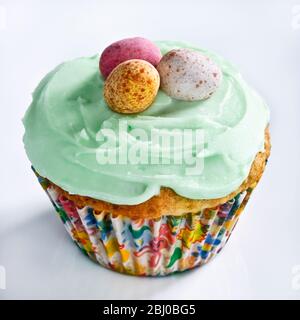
x=68 y=111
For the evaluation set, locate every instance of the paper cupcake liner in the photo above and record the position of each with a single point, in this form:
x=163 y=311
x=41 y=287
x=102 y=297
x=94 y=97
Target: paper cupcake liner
x=148 y=247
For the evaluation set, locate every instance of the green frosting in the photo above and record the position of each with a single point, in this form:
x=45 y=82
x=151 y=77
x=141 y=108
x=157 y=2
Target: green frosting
x=64 y=137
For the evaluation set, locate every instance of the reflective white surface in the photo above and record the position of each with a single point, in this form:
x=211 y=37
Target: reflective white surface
x=262 y=258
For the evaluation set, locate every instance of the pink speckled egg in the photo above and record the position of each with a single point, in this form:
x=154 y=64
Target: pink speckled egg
x=188 y=75
x=127 y=49
x=131 y=87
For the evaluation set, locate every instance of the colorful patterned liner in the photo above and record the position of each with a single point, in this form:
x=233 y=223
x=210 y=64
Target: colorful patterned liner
x=148 y=247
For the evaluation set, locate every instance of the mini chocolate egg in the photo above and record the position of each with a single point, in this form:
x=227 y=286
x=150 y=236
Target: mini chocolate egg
x=188 y=75
x=128 y=49
x=132 y=86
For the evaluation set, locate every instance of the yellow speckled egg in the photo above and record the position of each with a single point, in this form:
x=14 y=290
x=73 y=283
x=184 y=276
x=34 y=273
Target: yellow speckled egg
x=132 y=86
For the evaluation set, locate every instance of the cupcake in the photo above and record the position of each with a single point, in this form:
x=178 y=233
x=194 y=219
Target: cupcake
x=148 y=153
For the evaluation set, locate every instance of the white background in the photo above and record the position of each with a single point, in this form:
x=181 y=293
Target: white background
x=262 y=258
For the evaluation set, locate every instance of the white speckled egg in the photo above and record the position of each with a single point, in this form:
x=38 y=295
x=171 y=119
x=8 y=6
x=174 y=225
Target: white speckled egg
x=188 y=75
